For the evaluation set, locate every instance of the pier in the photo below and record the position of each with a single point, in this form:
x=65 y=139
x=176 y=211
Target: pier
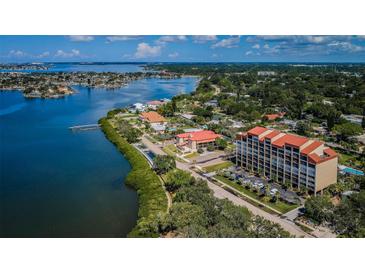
x=85 y=127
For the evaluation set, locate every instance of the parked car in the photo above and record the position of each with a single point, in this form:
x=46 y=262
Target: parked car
x=273 y=191
x=260 y=185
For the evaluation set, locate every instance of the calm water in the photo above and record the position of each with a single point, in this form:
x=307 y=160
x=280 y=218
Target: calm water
x=55 y=183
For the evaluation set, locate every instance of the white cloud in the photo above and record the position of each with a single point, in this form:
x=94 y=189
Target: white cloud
x=65 y=54
x=116 y=38
x=256 y=46
x=250 y=52
x=81 y=38
x=345 y=46
x=145 y=50
x=17 y=53
x=170 y=39
x=43 y=54
x=227 y=43
x=173 y=55
x=201 y=39
x=266 y=46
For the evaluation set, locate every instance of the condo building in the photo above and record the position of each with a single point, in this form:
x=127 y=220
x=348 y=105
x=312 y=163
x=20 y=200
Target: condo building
x=287 y=157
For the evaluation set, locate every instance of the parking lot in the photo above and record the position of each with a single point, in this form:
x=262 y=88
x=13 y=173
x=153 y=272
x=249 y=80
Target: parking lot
x=245 y=178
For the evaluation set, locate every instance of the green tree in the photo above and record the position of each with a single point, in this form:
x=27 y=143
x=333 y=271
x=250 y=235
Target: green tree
x=349 y=216
x=184 y=214
x=167 y=109
x=319 y=208
x=303 y=128
x=163 y=163
x=332 y=117
x=175 y=179
x=221 y=143
x=346 y=130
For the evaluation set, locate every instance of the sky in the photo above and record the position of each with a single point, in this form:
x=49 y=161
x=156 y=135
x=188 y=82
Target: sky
x=182 y=48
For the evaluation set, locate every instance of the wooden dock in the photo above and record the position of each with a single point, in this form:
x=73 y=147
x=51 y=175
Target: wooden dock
x=85 y=127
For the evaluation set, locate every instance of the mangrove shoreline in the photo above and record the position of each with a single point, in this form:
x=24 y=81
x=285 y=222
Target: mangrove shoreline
x=152 y=200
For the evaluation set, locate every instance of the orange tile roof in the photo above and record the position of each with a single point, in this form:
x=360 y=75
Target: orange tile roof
x=274 y=116
x=152 y=117
x=296 y=141
x=290 y=139
x=200 y=136
x=257 y=131
x=311 y=147
x=272 y=134
x=330 y=152
x=271 y=117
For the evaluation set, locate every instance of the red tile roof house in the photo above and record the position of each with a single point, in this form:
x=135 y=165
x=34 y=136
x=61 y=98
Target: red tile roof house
x=272 y=117
x=194 y=140
x=280 y=156
x=156 y=121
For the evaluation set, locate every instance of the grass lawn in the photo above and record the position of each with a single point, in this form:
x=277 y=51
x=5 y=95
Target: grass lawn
x=172 y=148
x=191 y=155
x=128 y=115
x=169 y=152
x=279 y=205
x=217 y=167
x=348 y=159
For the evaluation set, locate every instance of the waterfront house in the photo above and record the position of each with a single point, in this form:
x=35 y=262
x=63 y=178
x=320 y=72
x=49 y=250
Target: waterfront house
x=137 y=107
x=155 y=104
x=157 y=122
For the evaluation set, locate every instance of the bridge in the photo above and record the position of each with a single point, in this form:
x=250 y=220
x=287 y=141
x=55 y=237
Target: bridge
x=85 y=127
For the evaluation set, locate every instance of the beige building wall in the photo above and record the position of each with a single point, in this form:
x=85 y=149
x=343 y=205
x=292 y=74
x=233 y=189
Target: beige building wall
x=180 y=140
x=326 y=174
x=192 y=145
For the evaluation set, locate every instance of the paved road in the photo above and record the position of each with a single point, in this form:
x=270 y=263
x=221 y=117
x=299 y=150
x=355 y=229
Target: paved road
x=291 y=215
x=222 y=194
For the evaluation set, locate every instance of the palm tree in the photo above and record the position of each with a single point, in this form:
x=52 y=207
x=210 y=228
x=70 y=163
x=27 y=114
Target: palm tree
x=286 y=184
x=267 y=190
x=277 y=196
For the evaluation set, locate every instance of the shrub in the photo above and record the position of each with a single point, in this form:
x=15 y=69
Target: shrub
x=200 y=150
x=210 y=147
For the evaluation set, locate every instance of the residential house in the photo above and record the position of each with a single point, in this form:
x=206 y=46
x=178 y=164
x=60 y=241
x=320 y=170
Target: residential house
x=192 y=141
x=157 y=122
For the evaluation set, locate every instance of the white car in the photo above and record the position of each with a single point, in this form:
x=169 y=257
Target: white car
x=273 y=191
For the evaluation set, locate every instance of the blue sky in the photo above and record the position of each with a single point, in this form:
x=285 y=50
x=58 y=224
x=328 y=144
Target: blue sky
x=183 y=48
